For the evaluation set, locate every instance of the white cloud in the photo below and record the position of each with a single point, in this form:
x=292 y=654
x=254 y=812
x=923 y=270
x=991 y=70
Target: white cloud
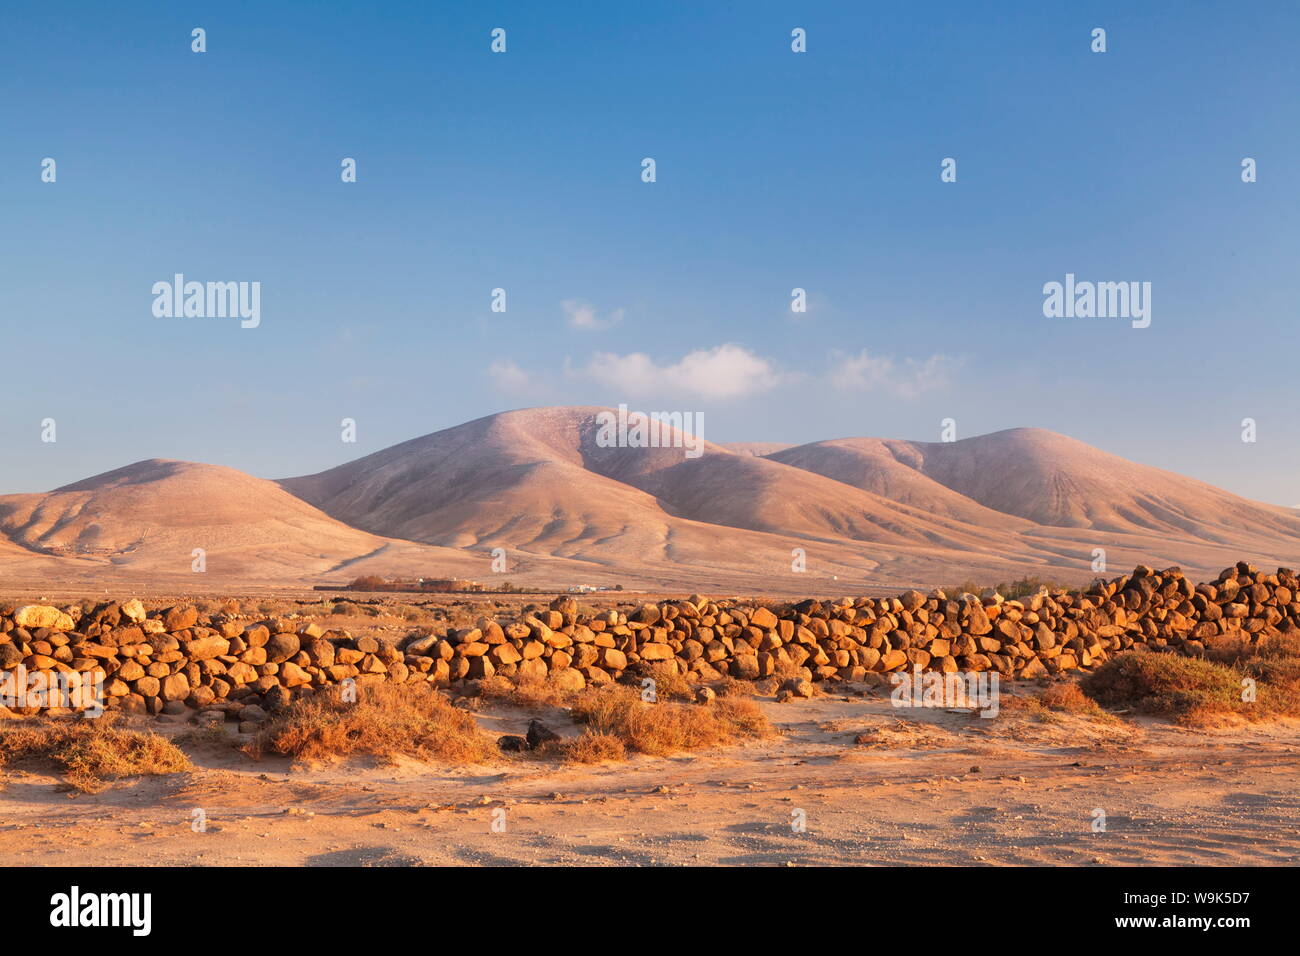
x=507 y=376
x=583 y=315
x=864 y=372
x=727 y=371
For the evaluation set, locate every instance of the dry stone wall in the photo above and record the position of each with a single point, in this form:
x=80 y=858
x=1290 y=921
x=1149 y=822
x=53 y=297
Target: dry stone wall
x=174 y=658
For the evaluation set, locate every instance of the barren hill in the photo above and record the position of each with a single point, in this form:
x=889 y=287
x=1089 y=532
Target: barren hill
x=149 y=517
x=540 y=484
x=1048 y=479
x=537 y=478
x=891 y=469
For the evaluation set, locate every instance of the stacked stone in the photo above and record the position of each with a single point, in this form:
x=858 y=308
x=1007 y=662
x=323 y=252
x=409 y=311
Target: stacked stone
x=172 y=659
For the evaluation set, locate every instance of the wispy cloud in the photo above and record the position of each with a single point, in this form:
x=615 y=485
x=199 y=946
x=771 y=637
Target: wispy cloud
x=583 y=315
x=907 y=379
x=726 y=371
x=508 y=377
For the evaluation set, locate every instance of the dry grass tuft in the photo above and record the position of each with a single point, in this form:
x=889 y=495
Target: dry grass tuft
x=586 y=748
x=670 y=685
x=384 y=722
x=1202 y=692
x=735 y=687
x=664 y=727
x=1067 y=698
x=89 y=753
x=527 y=692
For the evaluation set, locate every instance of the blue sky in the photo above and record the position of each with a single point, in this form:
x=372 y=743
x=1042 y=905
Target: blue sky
x=522 y=170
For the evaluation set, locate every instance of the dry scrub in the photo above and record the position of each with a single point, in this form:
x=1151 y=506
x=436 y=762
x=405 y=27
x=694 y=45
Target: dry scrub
x=384 y=722
x=1066 y=698
x=664 y=727
x=530 y=693
x=1201 y=691
x=91 y=752
x=587 y=747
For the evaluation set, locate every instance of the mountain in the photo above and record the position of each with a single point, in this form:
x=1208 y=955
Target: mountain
x=760 y=449
x=542 y=489
x=1062 y=482
x=1046 y=479
x=890 y=469
x=149 y=518
x=539 y=479
x=1024 y=501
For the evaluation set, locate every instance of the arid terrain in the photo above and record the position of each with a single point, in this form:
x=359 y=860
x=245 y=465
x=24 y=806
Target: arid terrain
x=507 y=727
x=536 y=490
x=934 y=787
x=1135 y=746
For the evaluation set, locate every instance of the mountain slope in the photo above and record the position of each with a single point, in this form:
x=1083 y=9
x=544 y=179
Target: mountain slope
x=1055 y=480
x=890 y=469
x=153 y=514
x=834 y=516
x=538 y=478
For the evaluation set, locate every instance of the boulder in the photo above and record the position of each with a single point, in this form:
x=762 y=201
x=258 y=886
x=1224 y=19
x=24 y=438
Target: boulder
x=32 y=616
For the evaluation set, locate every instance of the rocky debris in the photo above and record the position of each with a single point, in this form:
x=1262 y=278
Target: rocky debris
x=539 y=733
x=177 y=659
x=796 y=687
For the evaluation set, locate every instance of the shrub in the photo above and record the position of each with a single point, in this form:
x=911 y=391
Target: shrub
x=664 y=727
x=588 y=747
x=91 y=752
x=384 y=722
x=1196 y=691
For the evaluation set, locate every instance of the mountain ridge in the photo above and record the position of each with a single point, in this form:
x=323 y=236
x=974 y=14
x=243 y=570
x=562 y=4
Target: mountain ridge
x=541 y=487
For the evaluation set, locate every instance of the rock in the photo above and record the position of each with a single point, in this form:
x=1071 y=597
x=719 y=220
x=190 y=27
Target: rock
x=201 y=696
x=422 y=645
x=291 y=675
x=799 y=687
x=615 y=660
x=32 y=616
x=281 y=647
x=206 y=648
x=568 y=679
x=512 y=743
x=539 y=733
x=763 y=618
x=277 y=698
x=175 y=687
x=1034 y=668
x=646 y=614
x=180 y=617
x=252 y=712
x=133 y=611
x=705 y=695
x=130 y=671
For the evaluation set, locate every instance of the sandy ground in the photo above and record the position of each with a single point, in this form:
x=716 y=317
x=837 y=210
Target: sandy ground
x=934 y=787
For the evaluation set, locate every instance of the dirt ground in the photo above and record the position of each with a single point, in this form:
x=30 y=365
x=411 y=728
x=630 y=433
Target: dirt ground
x=932 y=786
